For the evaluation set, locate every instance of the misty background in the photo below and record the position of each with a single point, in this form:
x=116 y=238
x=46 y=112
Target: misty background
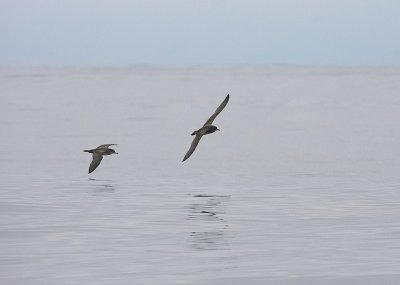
x=209 y=32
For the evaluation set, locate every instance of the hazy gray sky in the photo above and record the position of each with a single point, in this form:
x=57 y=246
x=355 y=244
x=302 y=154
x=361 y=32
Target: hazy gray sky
x=205 y=32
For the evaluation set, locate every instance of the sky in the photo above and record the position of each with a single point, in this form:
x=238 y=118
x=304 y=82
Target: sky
x=200 y=32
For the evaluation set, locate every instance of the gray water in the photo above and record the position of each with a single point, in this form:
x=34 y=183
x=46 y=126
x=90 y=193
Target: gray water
x=301 y=186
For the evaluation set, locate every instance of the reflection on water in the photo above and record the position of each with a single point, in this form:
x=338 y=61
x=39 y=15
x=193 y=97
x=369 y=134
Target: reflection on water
x=209 y=209
x=103 y=185
x=212 y=207
x=213 y=240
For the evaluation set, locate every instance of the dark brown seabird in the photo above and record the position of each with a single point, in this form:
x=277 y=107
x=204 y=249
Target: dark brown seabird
x=207 y=128
x=98 y=155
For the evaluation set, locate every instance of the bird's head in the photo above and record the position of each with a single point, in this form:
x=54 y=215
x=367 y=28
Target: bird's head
x=111 y=151
x=212 y=129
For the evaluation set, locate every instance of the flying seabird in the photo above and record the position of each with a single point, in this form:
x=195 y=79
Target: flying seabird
x=207 y=128
x=98 y=155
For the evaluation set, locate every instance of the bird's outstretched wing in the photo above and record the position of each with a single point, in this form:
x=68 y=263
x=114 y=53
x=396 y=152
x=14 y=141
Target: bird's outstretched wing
x=97 y=157
x=106 y=145
x=219 y=109
x=193 y=146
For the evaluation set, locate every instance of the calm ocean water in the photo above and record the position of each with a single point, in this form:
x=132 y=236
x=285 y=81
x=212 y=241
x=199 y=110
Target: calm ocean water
x=301 y=186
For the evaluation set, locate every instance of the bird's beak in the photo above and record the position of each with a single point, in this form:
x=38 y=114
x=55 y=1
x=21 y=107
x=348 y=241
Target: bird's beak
x=218 y=129
x=116 y=153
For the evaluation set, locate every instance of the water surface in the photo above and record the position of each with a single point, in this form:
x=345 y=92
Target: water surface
x=301 y=185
